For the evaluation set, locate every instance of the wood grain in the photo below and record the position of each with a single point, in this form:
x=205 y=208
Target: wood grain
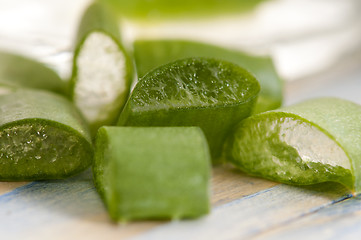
x=248 y=216
x=6 y=187
x=229 y=184
x=243 y=207
x=341 y=220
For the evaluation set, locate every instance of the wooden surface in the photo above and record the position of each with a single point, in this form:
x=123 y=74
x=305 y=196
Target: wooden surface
x=243 y=207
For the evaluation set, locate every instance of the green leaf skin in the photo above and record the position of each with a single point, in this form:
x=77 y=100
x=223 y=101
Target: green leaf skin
x=258 y=147
x=99 y=19
x=152 y=172
x=21 y=72
x=42 y=136
x=213 y=95
x=164 y=9
x=150 y=54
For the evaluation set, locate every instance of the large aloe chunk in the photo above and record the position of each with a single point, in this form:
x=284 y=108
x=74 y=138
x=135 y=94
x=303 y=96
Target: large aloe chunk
x=311 y=142
x=208 y=93
x=42 y=136
x=152 y=172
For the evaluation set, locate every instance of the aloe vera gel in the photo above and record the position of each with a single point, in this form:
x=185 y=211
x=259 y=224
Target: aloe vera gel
x=42 y=136
x=152 y=172
x=311 y=142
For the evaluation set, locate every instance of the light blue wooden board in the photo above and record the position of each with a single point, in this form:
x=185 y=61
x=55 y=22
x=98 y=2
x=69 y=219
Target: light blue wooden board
x=40 y=208
x=30 y=209
x=339 y=221
x=254 y=214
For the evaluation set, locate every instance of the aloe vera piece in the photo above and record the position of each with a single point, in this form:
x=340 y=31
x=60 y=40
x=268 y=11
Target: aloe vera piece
x=310 y=142
x=164 y=9
x=102 y=70
x=152 y=172
x=42 y=136
x=211 y=94
x=21 y=72
x=150 y=54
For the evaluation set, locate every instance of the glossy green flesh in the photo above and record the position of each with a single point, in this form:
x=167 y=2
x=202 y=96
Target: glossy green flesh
x=194 y=83
x=21 y=72
x=152 y=173
x=25 y=116
x=160 y=9
x=288 y=149
x=213 y=95
x=150 y=54
x=34 y=151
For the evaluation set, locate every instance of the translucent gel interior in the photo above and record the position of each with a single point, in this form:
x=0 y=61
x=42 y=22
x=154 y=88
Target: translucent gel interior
x=312 y=144
x=31 y=150
x=192 y=83
x=101 y=77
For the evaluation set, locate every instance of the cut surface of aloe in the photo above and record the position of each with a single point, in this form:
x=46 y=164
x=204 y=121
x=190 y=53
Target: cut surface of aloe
x=152 y=172
x=42 y=136
x=310 y=142
x=164 y=9
x=149 y=54
x=21 y=72
x=102 y=71
x=208 y=93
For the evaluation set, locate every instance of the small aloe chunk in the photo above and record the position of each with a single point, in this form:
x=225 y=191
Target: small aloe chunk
x=102 y=70
x=152 y=173
x=311 y=142
x=21 y=72
x=42 y=136
x=213 y=95
x=150 y=54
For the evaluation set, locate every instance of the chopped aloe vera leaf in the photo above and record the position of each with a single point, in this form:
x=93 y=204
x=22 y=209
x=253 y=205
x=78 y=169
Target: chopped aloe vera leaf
x=21 y=72
x=42 y=136
x=310 y=142
x=165 y=9
x=211 y=94
x=150 y=54
x=152 y=172
x=102 y=71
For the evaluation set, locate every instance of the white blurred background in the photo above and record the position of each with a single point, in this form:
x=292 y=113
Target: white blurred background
x=311 y=41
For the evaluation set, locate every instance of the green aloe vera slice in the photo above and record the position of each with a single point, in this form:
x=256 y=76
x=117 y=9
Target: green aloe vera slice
x=152 y=172
x=21 y=72
x=150 y=54
x=164 y=9
x=310 y=142
x=102 y=71
x=42 y=136
x=208 y=93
